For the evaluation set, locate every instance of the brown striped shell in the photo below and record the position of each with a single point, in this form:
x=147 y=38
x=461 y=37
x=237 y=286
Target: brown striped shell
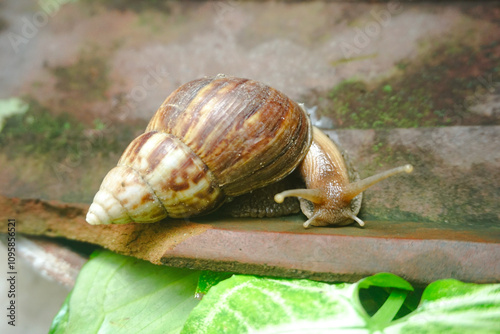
x=211 y=139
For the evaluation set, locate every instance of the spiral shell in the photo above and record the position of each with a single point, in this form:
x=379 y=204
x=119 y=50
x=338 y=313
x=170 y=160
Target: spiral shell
x=211 y=139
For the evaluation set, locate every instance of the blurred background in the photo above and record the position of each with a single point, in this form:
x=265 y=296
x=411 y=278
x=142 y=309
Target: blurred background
x=397 y=81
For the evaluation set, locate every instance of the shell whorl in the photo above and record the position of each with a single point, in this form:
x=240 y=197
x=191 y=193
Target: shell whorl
x=211 y=138
x=156 y=177
x=247 y=133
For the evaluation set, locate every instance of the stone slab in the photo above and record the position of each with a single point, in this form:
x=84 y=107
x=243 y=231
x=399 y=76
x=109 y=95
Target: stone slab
x=419 y=252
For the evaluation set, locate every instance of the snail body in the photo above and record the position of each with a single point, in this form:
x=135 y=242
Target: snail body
x=217 y=138
x=331 y=198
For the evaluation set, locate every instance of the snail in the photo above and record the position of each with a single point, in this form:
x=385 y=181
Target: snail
x=217 y=138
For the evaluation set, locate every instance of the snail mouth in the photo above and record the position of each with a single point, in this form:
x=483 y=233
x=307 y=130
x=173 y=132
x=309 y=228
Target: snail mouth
x=356 y=219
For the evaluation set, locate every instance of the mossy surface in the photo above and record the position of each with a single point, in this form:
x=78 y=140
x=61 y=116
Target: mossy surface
x=437 y=90
x=457 y=196
x=87 y=77
x=39 y=132
x=49 y=155
x=136 y=6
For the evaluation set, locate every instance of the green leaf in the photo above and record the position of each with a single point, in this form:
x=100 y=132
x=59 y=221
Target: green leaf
x=400 y=289
x=120 y=294
x=391 y=307
x=61 y=319
x=243 y=304
x=451 y=306
x=385 y=280
x=209 y=279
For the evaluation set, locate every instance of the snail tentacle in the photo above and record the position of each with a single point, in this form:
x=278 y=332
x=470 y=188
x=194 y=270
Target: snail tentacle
x=353 y=189
x=313 y=195
x=312 y=222
x=357 y=219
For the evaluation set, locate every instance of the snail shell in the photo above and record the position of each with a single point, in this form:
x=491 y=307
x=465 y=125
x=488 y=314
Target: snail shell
x=212 y=138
